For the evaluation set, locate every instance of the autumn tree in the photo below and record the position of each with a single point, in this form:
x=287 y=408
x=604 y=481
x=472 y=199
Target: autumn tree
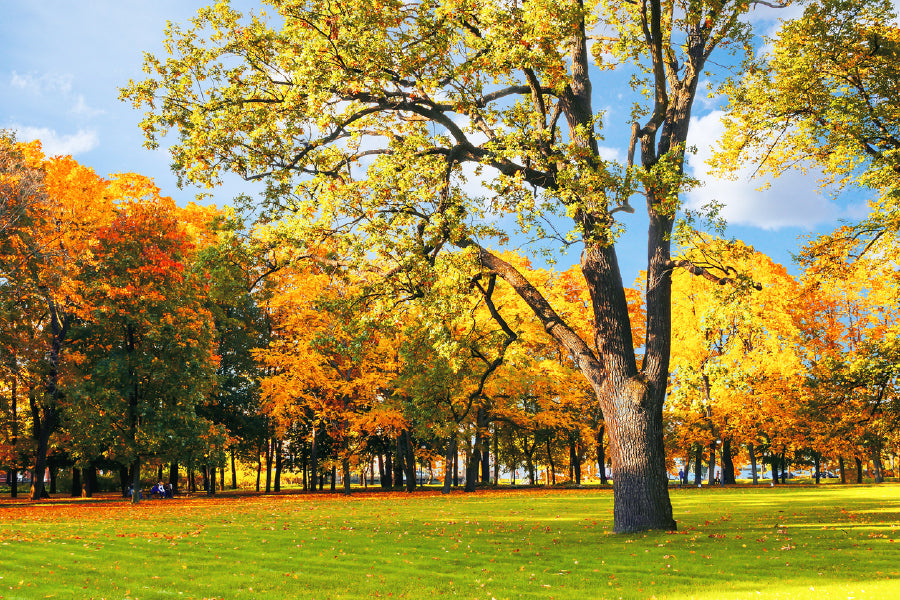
x=826 y=95
x=363 y=119
x=144 y=349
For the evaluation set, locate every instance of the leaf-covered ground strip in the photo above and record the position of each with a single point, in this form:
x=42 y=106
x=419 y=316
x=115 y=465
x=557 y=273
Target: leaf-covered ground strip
x=742 y=542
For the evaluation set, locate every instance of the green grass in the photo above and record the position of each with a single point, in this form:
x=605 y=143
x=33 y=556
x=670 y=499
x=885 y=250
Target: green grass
x=784 y=542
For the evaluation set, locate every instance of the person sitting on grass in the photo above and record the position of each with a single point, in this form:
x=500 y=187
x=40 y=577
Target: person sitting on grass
x=158 y=490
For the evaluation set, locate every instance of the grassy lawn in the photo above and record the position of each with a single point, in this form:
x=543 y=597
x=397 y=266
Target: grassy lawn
x=784 y=542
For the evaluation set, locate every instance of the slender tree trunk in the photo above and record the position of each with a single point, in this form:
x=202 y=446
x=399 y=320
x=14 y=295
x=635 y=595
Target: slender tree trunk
x=345 y=475
x=269 y=452
x=314 y=461
x=843 y=471
x=233 y=471
x=136 y=480
x=278 y=463
x=410 y=461
x=783 y=467
x=212 y=481
x=192 y=480
x=14 y=399
x=698 y=465
x=333 y=481
x=818 y=464
x=474 y=456
x=712 y=463
x=398 y=462
x=456 y=466
x=877 y=465
x=750 y=451
x=382 y=474
x=45 y=426
x=258 y=469
x=448 y=471
x=601 y=456
x=551 y=476
x=496 y=442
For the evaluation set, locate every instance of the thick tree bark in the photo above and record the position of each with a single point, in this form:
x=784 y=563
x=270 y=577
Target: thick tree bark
x=47 y=423
x=637 y=440
x=859 y=469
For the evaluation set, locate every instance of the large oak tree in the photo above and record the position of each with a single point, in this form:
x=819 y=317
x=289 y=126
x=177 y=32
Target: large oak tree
x=362 y=116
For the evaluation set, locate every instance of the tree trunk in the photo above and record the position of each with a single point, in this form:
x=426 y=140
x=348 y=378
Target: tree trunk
x=192 y=480
x=483 y=444
x=448 y=461
x=843 y=471
x=727 y=463
x=474 y=457
x=818 y=465
x=159 y=473
x=76 y=482
x=382 y=475
x=173 y=477
x=712 y=463
x=269 y=452
x=314 y=461
x=13 y=473
x=45 y=426
x=136 y=480
x=222 y=478
x=410 y=461
x=551 y=475
x=258 y=469
x=212 y=481
x=698 y=465
x=398 y=462
x=333 y=481
x=640 y=484
x=783 y=467
x=345 y=475
x=456 y=466
x=750 y=451
x=496 y=442
x=278 y=463
x=877 y=465
x=233 y=471
x=601 y=456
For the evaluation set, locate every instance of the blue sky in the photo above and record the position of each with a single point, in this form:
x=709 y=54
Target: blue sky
x=63 y=62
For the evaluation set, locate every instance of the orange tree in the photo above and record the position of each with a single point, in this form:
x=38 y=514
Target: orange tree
x=734 y=343
x=46 y=250
x=144 y=348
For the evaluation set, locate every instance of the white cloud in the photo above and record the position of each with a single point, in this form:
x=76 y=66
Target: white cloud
x=792 y=200
x=83 y=110
x=55 y=144
x=41 y=84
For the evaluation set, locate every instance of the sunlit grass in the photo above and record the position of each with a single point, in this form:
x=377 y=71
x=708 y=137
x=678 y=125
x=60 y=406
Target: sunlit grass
x=745 y=542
